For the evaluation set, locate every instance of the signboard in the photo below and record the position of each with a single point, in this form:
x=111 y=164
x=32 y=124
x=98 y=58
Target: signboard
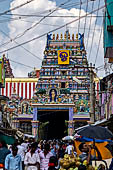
x=63 y=56
x=2 y=74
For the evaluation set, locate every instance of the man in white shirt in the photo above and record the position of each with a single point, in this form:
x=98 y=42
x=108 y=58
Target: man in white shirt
x=44 y=157
x=69 y=149
x=32 y=160
x=21 y=152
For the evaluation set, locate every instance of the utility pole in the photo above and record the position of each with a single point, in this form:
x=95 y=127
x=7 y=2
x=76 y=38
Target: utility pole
x=92 y=95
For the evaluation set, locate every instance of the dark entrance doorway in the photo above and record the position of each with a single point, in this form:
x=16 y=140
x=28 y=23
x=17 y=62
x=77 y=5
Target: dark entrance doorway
x=56 y=126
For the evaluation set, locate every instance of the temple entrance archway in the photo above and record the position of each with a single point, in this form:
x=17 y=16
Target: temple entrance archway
x=53 y=124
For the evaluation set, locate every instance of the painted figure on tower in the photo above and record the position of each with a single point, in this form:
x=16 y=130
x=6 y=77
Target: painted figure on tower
x=53 y=94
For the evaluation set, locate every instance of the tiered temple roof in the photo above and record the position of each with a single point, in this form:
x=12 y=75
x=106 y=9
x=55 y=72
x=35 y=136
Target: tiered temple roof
x=8 y=69
x=64 y=74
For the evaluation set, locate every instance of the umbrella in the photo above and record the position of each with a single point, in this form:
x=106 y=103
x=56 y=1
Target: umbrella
x=68 y=138
x=95 y=132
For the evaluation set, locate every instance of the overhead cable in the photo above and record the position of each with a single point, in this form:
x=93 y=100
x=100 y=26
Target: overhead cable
x=98 y=45
x=85 y=17
x=79 y=16
x=25 y=30
x=21 y=46
x=93 y=33
x=89 y=26
x=35 y=38
x=14 y=8
x=34 y=25
x=21 y=64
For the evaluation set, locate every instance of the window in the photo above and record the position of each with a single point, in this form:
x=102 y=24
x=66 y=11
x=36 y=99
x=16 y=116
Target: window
x=64 y=73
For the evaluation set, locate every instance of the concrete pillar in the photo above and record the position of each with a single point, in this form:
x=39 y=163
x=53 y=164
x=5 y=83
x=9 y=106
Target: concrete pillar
x=35 y=128
x=70 y=127
x=15 y=124
x=70 y=122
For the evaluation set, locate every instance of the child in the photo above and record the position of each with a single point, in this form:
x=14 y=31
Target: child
x=53 y=162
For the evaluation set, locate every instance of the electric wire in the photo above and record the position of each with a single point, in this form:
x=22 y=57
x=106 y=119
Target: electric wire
x=98 y=45
x=17 y=35
x=35 y=38
x=53 y=25
x=79 y=16
x=89 y=25
x=14 y=8
x=33 y=26
x=49 y=10
x=21 y=46
x=20 y=18
x=85 y=17
x=21 y=64
x=93 y=33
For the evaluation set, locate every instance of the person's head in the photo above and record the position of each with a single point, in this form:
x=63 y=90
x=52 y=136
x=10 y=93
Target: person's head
x=3 y=144
x=53 y=162
x=101 y=167
x=82 y=167
x=33 y=147
x=46 y=148
x=83 y=147
x=14 y=150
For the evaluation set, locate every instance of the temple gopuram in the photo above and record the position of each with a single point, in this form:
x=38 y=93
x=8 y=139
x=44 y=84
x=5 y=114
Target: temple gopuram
x=61 y=100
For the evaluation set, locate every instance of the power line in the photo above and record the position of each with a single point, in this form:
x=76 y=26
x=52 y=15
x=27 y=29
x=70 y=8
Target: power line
x=89 y=25
x=21 y=46
x=12 y=9
x=93 y=32
x=21 y=64
x=49 y=10
x=100 y=66
x=79 y=16
x=86 y=16
x=98 y=45
x=54 y=16
x=35 y=38
x=33 y=26
x=35 y=23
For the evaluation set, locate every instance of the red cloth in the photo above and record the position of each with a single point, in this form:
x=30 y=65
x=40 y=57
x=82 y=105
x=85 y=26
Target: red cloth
x=51 y=164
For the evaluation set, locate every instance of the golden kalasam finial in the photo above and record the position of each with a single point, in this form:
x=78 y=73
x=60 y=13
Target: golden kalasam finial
x=61 y=36
x=68 y=36
x=76 y=36
x=73 y=37
x=53 y=36
x=57 y=37
x=65 y=36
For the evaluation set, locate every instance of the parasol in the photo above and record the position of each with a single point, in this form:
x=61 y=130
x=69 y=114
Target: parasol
x=95 y=132
x=68 y=138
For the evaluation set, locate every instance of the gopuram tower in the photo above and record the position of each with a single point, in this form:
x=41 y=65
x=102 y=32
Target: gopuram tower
x=62 y=91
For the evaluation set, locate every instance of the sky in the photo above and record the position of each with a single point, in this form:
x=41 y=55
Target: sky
x=16 y=29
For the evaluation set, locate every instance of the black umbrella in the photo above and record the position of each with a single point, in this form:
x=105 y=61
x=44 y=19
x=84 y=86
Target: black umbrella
x=95 y=132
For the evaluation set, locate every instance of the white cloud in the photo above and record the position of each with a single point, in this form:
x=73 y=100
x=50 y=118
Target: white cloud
x=37 y=47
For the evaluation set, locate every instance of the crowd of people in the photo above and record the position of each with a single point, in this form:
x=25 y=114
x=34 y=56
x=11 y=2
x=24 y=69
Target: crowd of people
x=29 y=155
x=43 y=155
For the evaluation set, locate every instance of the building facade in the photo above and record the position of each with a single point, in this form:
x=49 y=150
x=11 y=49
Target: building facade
x=63 y=86
x=106 y=97
x=18 y=108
